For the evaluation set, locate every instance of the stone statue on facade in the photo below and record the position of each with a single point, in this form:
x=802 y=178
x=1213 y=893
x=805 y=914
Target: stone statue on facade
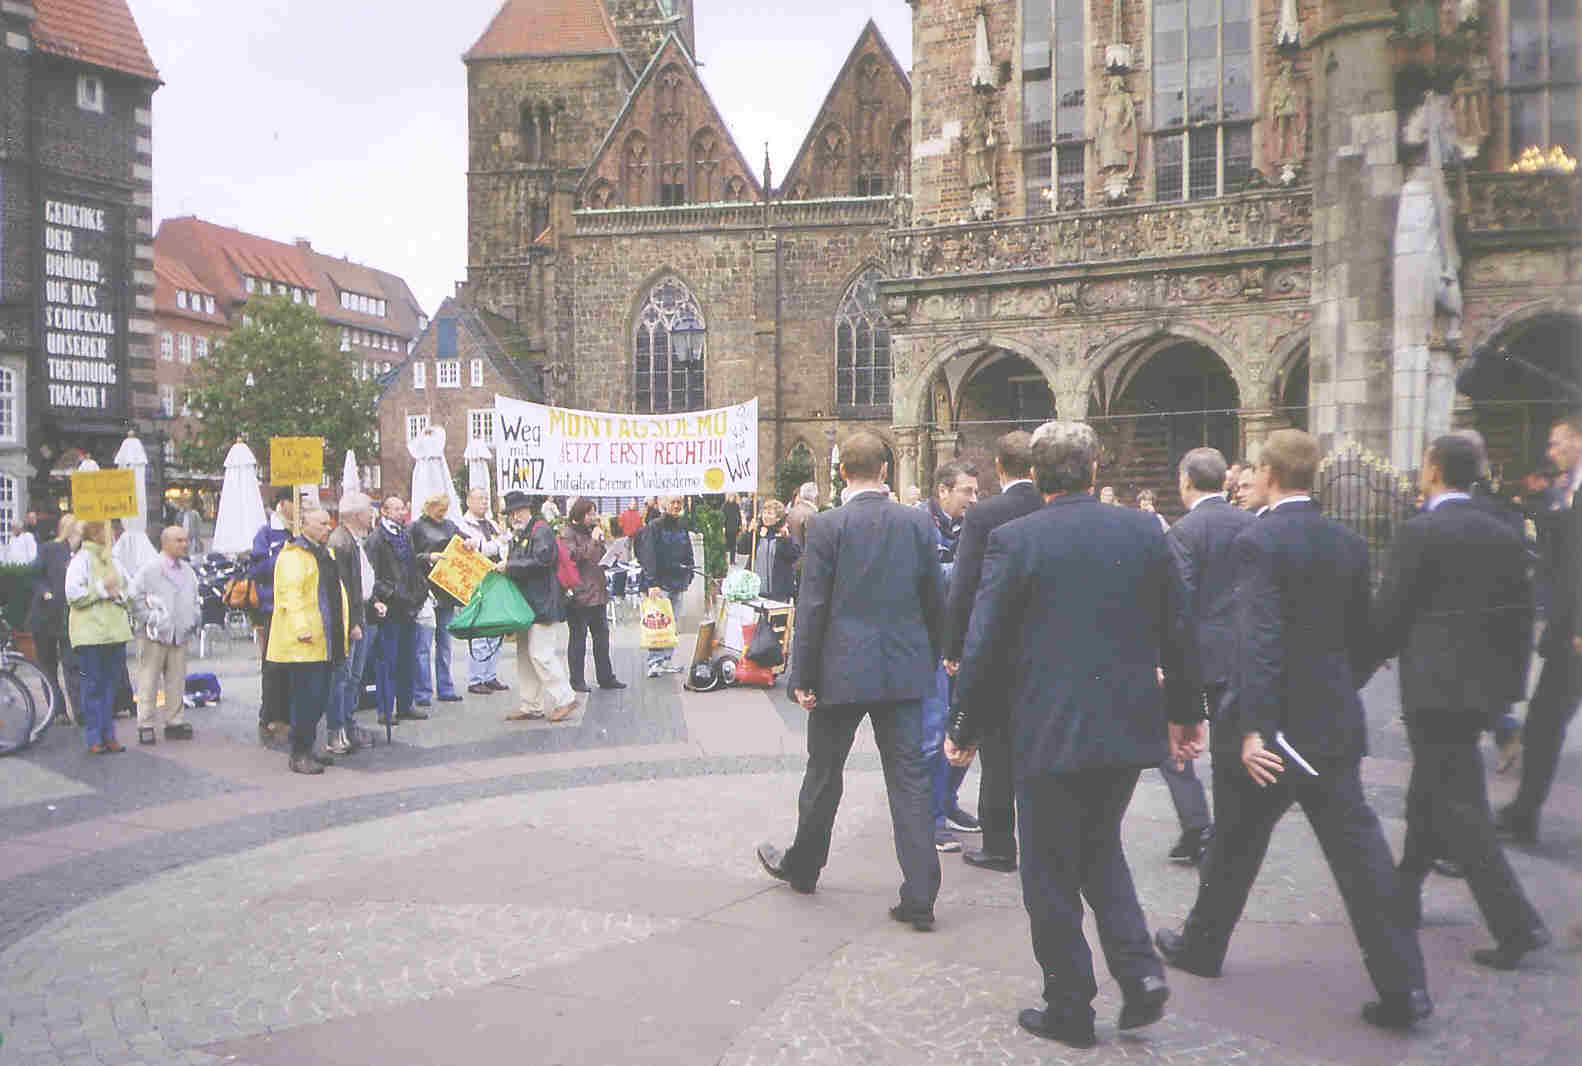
x=1469 y=106
x=1117 y=139
x=981 y=151
x=1285 y=111
x=1426 y=285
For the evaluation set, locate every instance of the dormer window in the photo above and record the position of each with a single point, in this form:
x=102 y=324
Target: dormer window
x=90 y=93
x=181 y=299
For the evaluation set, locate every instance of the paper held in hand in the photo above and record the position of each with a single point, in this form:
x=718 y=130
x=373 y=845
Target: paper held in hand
x=100 y=495
x=459 y=569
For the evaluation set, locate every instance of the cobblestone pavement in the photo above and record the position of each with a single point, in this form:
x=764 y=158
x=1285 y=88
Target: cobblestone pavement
x=479 y=892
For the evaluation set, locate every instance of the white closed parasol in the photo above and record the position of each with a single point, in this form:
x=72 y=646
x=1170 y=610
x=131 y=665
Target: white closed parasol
x=133 y=548
x=351 y=480
x=241 y=511
x=430 y=475
x=477 y=457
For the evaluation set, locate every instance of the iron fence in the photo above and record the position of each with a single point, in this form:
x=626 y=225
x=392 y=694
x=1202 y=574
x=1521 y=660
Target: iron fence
x=1368 y=495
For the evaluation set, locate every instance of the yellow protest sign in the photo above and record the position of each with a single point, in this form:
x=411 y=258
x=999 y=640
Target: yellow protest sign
x=459 y=569
x=296 y=460
x=100 y=495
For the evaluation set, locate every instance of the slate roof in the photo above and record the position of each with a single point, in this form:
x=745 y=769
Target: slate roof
x=546 y=27
x=101 y=33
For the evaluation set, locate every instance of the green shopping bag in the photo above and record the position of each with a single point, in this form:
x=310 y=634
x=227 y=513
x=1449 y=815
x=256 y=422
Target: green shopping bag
x=496 y=608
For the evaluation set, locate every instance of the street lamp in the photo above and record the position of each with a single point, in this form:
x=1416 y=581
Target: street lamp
x=686 y=338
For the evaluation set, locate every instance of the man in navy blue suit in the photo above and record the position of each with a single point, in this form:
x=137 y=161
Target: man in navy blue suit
x=1303 y=648
x=1076 y=612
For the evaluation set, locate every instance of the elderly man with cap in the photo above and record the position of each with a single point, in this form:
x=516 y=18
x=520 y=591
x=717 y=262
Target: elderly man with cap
x=541 y=670
x=356 y=570
x=164 y=601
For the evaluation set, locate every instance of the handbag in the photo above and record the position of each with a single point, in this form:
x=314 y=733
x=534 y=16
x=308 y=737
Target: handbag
x=496 y=608
x=764 y=648
x=658 y=620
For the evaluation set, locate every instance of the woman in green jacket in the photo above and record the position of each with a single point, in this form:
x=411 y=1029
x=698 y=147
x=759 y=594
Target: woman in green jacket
x=99 y=631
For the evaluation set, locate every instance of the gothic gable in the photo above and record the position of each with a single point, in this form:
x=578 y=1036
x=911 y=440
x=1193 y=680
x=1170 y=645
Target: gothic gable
x=862 y=135
x=669 y=145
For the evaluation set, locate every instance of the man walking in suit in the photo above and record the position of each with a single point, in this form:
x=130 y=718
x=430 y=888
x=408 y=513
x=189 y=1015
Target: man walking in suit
x=1303 y=648
x=868 y=636
x=1200 y=543
x=1554 y=702
x=1456 y=606
x=1075 y=613
x=1013 y=463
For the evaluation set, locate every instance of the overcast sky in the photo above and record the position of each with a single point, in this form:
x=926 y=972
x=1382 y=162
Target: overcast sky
x=345 y=121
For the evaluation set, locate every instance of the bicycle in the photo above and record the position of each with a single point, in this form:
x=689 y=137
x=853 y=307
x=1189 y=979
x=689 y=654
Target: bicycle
x=19 y=718
x=48 y=701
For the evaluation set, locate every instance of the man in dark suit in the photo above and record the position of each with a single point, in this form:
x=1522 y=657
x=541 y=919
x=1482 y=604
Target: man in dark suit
x=1013 y=462
x=869 y=632
x=1303 y=649
x=1200 y=543
x=1554 y=702
x=1075 y=613
x=1456 y=606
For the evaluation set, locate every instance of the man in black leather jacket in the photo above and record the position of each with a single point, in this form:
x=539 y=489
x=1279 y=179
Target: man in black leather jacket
x=400 y=588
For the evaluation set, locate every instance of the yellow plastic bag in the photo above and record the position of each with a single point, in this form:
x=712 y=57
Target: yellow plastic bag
x=659 y=621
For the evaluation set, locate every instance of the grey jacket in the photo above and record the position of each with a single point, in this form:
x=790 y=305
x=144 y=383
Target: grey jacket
x=164 y=603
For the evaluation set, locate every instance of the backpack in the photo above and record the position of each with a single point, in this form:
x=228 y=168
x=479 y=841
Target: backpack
x=565 y=569
x=241 y=593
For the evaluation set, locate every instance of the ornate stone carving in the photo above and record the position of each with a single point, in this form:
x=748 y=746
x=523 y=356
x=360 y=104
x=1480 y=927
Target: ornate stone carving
x=1023 y=303
x=1278 y=218
x=942 y=307
x=1469 y=106
x=982 y=149
x=1497 y=203
x=1291 y=281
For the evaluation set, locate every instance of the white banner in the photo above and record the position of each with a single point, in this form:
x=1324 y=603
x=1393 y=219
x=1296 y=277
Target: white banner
x=561 y=452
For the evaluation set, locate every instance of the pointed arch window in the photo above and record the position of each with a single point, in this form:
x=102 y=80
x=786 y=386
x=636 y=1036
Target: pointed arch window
x=705 y=166
x=669 y=351
x=862 y=346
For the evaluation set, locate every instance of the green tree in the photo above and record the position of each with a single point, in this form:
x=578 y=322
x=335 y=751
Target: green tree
x=793 y=471
x=281 y=374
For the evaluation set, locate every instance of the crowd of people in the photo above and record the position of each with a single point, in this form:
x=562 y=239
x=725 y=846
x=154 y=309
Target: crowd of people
x=1073 y=645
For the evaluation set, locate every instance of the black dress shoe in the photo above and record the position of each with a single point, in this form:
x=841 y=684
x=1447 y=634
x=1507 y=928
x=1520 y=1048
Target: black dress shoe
x=1175 y=950
x=1506 y=956
x=1069 y=1031
x=1144 y=1002
x=179 y=731
x=452 y=698
x=984 y=860
x=1399 y=1014
x=772 y=859
x=579 y=686
x=1519 y=827
x=414 y=715
x=612 y=683
x=920 y=918
x=1192 y=846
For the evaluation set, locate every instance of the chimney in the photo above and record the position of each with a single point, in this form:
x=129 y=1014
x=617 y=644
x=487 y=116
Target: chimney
x=304 y=244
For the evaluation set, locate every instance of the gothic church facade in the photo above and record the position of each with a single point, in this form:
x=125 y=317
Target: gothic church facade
x=1188 y=221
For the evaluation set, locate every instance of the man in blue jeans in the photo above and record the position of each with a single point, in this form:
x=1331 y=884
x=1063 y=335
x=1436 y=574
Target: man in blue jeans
x=955 y=490
x=357 y=575
x=431 y=533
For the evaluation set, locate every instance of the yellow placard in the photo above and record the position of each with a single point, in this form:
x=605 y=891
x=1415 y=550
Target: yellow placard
x=100 y=495
x=459 y=569
x=296 y=460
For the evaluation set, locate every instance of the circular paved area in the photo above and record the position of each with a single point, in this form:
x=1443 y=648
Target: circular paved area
x=589 y=894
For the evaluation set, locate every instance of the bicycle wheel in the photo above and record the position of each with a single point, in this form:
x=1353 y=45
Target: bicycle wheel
x=16 y=715
x=47 y=699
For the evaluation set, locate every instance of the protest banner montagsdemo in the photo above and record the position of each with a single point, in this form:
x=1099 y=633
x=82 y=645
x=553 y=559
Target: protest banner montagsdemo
x=558 y=451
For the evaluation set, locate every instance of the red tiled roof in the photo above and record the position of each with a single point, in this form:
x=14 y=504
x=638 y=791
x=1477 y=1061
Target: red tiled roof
x=176 y=272
x=546 y=27
x=171 y=276
x=100 y=32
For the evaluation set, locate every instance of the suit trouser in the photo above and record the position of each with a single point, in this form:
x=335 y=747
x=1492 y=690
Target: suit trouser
x=1549 y=713
x=1447 y=814
x=158 y=663
x=59 y=660
x=1354 y=847
x=394 y=669
x=997 y=793
x=1186 y=792
x=1071 y=851
x=898 y=728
